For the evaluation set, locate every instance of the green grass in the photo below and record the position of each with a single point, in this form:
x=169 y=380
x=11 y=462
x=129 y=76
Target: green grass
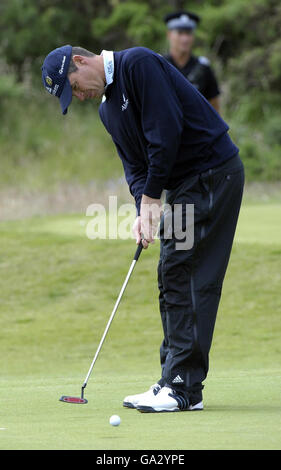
x=57 y=291
x=50 y=149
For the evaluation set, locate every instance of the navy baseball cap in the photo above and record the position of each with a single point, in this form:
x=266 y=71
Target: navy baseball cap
x=54 y=75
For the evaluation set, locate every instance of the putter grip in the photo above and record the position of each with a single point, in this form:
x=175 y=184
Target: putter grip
x=138 y=252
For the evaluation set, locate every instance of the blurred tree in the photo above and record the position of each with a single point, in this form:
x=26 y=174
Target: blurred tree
x=29 y=29
x=177 y=4
x=246 y=38
x=130 y=24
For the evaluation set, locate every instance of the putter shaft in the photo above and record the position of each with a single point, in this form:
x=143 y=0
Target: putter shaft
x=138 y=252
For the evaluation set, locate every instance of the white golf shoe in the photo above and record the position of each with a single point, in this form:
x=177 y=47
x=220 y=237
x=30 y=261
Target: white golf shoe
x=166 y=400
x=132 y=400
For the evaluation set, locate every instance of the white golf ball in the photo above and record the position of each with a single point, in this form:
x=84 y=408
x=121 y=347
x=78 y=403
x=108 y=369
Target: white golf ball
x=115 y=420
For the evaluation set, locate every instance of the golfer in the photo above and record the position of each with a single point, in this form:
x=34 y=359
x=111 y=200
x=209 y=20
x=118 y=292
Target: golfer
x=170 y=138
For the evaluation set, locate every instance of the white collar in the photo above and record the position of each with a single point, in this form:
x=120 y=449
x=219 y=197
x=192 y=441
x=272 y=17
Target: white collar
x=108 y=63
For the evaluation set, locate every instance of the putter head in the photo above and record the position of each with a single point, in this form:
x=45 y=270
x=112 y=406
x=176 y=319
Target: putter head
x=77 y=400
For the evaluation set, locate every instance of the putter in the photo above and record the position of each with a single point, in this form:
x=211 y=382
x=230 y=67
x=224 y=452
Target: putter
x=82 y=400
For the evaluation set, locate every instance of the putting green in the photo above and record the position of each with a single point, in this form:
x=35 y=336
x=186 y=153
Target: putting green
x=57 y=291
x=239 y=414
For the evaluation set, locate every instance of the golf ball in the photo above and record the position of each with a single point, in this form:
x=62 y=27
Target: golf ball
x=115 y=420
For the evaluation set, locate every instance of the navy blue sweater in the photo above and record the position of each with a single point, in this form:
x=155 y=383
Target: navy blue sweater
x=163 y=128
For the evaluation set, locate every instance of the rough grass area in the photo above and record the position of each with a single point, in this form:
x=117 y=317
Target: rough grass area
x=48 y=149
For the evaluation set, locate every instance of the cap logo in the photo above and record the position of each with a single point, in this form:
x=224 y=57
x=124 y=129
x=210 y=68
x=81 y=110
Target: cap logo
x=56 y=87
x=49 y=81
x=62 y=65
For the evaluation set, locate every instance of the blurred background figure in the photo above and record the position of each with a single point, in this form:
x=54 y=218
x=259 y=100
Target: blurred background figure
x=181 y=26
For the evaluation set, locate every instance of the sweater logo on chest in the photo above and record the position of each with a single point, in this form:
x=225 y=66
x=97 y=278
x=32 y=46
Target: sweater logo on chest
x=125 y=104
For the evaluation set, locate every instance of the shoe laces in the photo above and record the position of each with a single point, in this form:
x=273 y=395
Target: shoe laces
x=155 y=388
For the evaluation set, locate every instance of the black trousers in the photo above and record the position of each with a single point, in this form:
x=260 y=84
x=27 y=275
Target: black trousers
x=190 y=280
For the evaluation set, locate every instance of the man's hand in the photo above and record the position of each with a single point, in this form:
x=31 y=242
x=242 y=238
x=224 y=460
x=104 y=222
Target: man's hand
x=137 y=230
x=146 y=224
x=150 y=213
x=137 y=233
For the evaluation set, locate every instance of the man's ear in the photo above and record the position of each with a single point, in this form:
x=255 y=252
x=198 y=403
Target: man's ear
x=79 y=60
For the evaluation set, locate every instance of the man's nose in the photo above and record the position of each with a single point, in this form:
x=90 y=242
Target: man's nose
x=79 y=95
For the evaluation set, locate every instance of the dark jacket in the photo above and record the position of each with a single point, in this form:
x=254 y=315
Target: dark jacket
x=163 y=128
